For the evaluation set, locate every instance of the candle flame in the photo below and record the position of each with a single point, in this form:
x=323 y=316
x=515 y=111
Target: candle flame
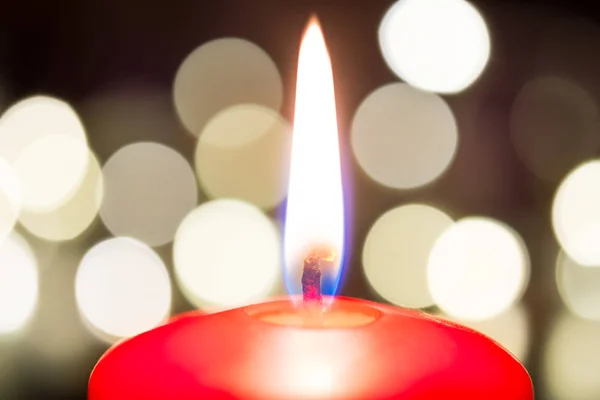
x=315 y=205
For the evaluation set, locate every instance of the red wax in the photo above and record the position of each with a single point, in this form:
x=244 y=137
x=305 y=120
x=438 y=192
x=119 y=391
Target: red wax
x=236 y=354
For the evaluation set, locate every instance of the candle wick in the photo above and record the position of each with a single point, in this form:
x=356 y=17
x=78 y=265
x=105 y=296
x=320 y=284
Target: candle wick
x=311 y=279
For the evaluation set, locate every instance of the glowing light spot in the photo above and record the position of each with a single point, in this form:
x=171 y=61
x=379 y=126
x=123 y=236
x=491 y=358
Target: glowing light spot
x=571 y=366
x=576 y=215
x=149 y=188
x=73 y=217
x=402 y=137
x=50 y=171
x=18 y=284
x=122 y=288
x=436 y=45
x=222 y=73
x=554 y=126
x=241 y=154
x=10 y=199
x=478 y=268
x=579 y=287
x=315 y=204
x=397 y=250
x=33 y=118
x=44 y=140
x=226 y=254
x=511 y=329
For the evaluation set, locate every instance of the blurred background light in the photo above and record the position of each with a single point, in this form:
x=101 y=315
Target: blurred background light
x=396 y=253
x=44 y=140
x=122 y=288
x=222 y=73
x=10 y=199
x=478 y=268
x=571 y=366
x=50 y=171
x=579 y=287
x=73 y=217
x=227 y=253
x=510 y=328
x=402 y=137
x=18 y=284
x=436 y=45
x=243 y=152
x=576 y=214
x=554 y=126
x=33 y=118
x=149 y=188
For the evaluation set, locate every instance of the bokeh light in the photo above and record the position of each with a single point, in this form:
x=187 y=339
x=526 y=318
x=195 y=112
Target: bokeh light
x=149 y=188
x=243 y=152
x=571 y=366
x=402 y=137
x=33 y=118
x=576 y=215
x=222 y=73
x=436 y=45
x=50 y=171
x=397 y=250
x=510 y=329
x=227 y=253
x=122 y=288
x=18 y=284
x=478 y=268
x=10 y=199
x=73 y=217
x=44 y=140
x=579 y=287
x=554 y=126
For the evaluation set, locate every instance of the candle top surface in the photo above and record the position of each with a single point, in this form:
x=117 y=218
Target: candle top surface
x=313 y=315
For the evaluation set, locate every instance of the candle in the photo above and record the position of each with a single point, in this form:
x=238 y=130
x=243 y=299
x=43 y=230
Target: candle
x=360 y=350
x=311 y=345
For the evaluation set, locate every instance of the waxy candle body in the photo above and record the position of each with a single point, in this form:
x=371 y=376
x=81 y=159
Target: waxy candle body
x=392 y=354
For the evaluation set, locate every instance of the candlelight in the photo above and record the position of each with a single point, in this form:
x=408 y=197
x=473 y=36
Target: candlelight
x=315 y=206
x=348 y=349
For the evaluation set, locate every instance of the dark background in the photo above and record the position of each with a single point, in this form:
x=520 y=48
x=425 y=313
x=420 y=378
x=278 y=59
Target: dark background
x=75 y=49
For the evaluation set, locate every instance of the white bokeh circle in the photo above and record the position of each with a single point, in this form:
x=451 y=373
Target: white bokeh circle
x=226 y=253
x=478 y=268
x=122 y=288
x=436 y=45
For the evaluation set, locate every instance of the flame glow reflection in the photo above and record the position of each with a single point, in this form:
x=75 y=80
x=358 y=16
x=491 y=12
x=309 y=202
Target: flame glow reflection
x=315 y=206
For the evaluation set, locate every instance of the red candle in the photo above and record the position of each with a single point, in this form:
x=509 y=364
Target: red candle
x=311 y=347
x=361 y=350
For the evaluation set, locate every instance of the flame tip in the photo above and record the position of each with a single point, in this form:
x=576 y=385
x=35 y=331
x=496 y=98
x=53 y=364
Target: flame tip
x=313 y=23
x=314 y=20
